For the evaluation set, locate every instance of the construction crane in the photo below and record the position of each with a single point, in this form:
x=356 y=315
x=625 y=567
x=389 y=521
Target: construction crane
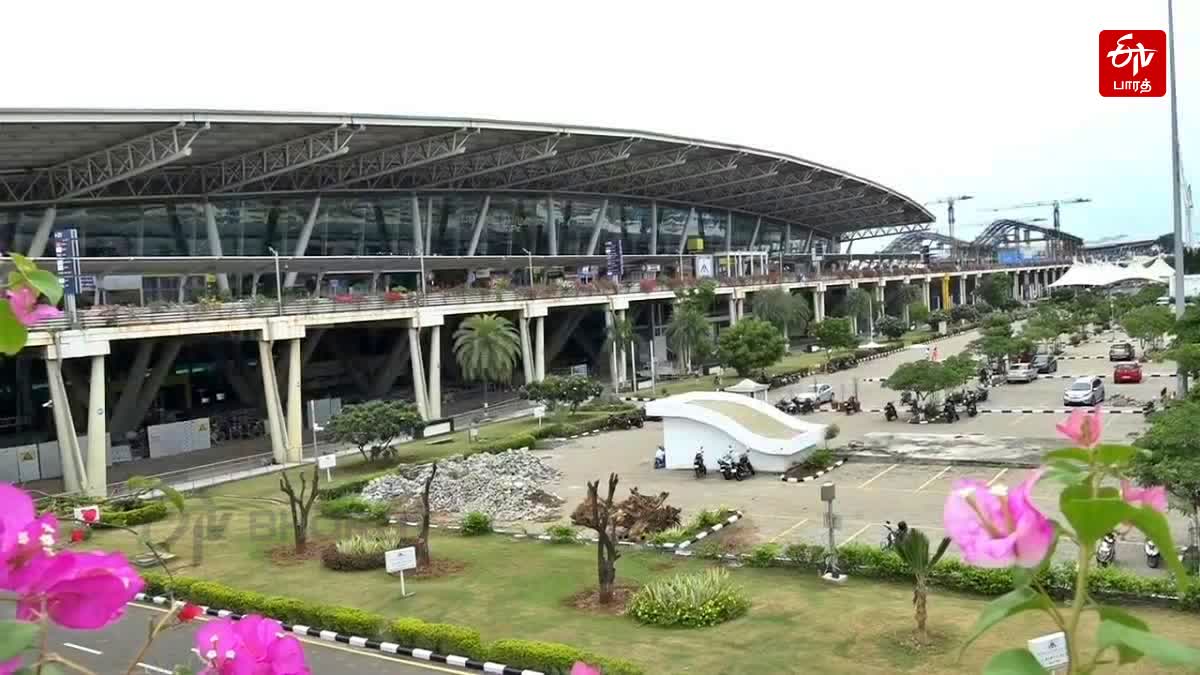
x=1056 y=203
x=949 y=202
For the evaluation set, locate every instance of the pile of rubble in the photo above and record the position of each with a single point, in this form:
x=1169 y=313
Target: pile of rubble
x=508 y=486
x=638 y=516
x=1123 y=401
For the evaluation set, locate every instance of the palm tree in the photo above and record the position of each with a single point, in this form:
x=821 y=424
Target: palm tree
x=905 y=296
x=620 y=337
x=486 y=347
x=781 y=309
x=913 y=549
x=688 y=333
x=857 y=304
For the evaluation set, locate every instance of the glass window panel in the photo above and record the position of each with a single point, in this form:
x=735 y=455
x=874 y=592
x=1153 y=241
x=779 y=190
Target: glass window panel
x=672 y=223
x=711 y=227
x=743 y=231
x=770 y=236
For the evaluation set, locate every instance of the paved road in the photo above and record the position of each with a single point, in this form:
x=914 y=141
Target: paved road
x=111 y=650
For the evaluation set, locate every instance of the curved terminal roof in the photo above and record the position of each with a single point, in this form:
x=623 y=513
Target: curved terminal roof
x=81 y=156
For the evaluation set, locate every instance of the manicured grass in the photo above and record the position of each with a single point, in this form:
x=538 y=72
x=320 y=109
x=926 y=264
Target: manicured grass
x=510 y=588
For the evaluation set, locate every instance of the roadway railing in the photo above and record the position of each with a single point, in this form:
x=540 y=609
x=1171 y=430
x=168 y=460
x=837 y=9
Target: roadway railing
x=304 y=304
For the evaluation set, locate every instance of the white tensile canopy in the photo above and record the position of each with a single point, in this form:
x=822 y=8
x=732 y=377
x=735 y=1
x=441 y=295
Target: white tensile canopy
x=1104 y=274
x=1161 y=270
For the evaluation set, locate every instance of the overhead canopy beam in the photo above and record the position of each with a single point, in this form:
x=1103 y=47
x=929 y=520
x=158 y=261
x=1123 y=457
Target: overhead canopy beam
x=823 y=211
x=867 y=219
x=762 y=204
x=374 y=165
x=475 y=164
x=782 y=212
x=90 y=173
x=277 y=160
x=691 y=170
x=717 y=180
x=635 y=166
x=566 y=164
x=884 y=231
x=785 y=182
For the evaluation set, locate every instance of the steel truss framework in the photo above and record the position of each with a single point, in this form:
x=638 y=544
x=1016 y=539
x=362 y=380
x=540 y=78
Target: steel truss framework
x=1001 y=232
x=330 y=156
x=913 y=242
x=883 y=231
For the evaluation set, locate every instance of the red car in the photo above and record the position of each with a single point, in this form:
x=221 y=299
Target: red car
x=1127 y=372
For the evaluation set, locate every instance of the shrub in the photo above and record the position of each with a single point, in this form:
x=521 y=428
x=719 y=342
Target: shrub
x=443 y=638
x=690 y=600
x=476 y=523
x=806 y=555
x=819 y=460
x=672 y=535
x=352 y=506
x=151 y=512
x=364 y=551
x=350 y=487
x=507 y=443
x=763 y=555
x=554 y=659
x=561 y=534
x=832 y=431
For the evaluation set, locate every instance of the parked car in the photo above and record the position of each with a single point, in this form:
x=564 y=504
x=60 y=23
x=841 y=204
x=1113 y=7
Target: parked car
x=1021 y=372
x=817 y=393
x=1121 y=351
x=1046 y=363
x=1127 y=373
x=1084 y=391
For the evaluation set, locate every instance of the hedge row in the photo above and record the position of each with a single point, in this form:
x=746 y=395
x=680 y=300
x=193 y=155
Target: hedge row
x=151 y=512
x=952 y=574
x=350 y=487
x=548 y=657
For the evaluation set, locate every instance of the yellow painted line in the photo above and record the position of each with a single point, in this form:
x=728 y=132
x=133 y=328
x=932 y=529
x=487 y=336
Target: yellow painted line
x=785 y=532
x=334 y=645
x=851 y=537
x=930 y=481
x=998 y=476
x=876 y=476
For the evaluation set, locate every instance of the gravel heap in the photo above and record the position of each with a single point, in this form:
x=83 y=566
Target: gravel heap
x=507 y=486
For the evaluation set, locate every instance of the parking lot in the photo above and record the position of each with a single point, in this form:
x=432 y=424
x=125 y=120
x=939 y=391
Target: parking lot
x=872 y=491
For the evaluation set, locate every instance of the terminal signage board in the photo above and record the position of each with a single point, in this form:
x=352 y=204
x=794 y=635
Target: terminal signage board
x=66 y=251
x=615 y=258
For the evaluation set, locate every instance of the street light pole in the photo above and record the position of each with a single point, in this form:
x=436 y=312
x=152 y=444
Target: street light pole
x=1176 y=188
x=278 y=282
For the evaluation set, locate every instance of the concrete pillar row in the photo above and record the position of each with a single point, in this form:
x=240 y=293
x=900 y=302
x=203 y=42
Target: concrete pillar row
x=540 y=348
x=622 y=354
x=97 y=432
x=276 y=425
x=295 y=403
x=418 y=371
x=74 y=472
x=527 y=348
x=819 y=304
x=435 y=372
x=612 y=351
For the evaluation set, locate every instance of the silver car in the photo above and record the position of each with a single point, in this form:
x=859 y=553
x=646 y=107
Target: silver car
x=1084 y=391
x=1021 y=372
x=817 y=393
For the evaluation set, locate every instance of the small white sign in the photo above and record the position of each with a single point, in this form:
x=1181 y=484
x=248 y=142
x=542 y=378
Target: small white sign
x=1050 y=650
x=400 y=559
x=87 y=514
x=539 y=412
x=327 y=462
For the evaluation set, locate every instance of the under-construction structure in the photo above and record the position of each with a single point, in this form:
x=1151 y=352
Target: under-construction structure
x=999 y=236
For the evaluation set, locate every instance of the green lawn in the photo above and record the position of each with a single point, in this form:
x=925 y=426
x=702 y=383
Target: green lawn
x=510 y=588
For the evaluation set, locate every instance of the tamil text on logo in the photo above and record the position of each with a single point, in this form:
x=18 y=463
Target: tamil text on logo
x=1133 y=63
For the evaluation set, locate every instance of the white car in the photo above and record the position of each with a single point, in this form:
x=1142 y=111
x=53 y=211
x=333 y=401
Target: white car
x=1084 y=391
x=817 y=393
x=1021 y=372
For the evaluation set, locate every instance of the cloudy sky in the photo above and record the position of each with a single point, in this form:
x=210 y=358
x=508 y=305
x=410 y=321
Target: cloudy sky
x=931 y=97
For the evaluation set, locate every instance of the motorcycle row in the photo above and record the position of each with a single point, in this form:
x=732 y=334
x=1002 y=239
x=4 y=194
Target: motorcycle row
x=796 y=405
x=732 y=468
x=931 y=412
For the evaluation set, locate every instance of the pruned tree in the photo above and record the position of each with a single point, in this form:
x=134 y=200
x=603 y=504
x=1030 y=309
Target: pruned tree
x=605 y=523
x=575 y=390
x=913 y=549
x=423 y=539
x=833 y=334
x=924 y=378
x=372 y=426
x=300 y=504
x=751 y=345
x=891 y=327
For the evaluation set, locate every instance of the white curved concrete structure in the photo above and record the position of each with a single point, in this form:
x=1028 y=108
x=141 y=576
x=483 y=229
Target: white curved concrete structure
x=716 y=421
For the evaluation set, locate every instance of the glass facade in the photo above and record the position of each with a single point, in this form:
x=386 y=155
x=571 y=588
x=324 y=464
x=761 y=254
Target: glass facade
x=382 y=224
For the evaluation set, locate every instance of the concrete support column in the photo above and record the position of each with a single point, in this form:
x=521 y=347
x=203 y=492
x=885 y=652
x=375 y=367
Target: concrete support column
x=302 y=239
x=540 y=349
x=526 y=347
x=1016 y=285
x=97 y=432
x=133 y=384
x=37 y=246
x=435 y=372
x=621 y=353
x=214 y=243
x=733 y=311
x=601 y=214
x=74 y=473
x=479 y=222
x=654 y=229
x=151 y=386
x=905 y=315
x=295 y=404
x=553 y=231
x=276 y=425
x=418 y=371
x=819 y=304
x=418 y=231
x=612 y=352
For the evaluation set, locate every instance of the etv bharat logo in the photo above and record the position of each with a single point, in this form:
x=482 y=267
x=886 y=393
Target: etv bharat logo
x=1133 y=63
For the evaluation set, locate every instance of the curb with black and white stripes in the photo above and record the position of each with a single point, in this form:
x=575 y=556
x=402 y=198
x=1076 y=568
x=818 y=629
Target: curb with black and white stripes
x=681 y=547
x=361 y=642
x=636 y=399
x=785 y=478
x=1027 y=411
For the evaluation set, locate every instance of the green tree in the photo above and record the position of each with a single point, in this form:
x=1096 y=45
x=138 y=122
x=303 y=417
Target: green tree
x=924 y=378
x=619 y=341
x=751 y=345
x=905 y=296
x=781 y=309
x=918 y=313
x=487 y=347
x=935 y=318
x=1172 y=459
x=834 y=334
x=891 y=327
x=372 y=426
x=547 y=392
x=857 y=303
x=996 y=290
x=913 y=549
x=1186 y=357
x=1148 y=324
x=961 y=313
x=702 y=296
x=571 y=391
x=690 y=335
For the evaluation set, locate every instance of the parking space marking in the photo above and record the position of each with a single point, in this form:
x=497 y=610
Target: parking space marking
x=935 y=477
x=998 y=476
x=876 y=476
x=851 y=537
x=788 y=531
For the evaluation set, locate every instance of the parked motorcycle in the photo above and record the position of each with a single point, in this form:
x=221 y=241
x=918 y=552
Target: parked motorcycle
x=785 y=406
x=731 y=468
x=660 y=458
x=745 y=465
x=889 y=412
x=893 y=535
x=950 y=412
x=698 y=466
x=972 y=409
x=806 y=406
x=851 y=406
x=1106 y=552
x=1148 y=408
x=981 y=391
x=1153 y=556
x=906 y=397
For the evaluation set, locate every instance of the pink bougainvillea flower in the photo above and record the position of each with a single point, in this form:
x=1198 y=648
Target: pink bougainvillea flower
x=997 y=527
x=23 y=535
x=252 y=646
x=1155 y=496
x=1083 y=427
x=25 y=307
x=11 y=666
x=581 y=668
x=84 y=591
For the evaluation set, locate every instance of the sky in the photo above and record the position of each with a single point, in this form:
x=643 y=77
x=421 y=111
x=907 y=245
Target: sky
x=930 y=97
